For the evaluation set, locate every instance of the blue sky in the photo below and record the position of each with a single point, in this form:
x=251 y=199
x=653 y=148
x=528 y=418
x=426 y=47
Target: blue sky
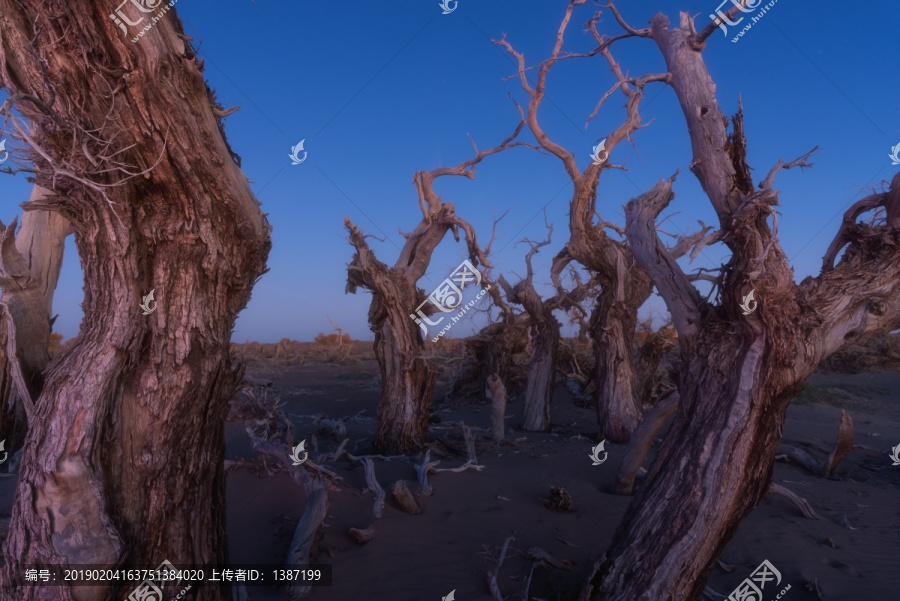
x=379 y=90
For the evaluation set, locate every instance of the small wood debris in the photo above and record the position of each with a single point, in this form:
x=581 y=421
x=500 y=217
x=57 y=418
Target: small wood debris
x=560 y=499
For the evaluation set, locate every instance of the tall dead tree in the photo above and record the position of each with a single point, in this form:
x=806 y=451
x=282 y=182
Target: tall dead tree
x=738 y=371
x=30 y=262
x=123 y=461
x=625 y=286
x=544 y=333
x=407 y=378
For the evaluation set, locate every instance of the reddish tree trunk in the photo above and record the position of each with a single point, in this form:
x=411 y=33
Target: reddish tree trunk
x=123 y=460
x=738 y=372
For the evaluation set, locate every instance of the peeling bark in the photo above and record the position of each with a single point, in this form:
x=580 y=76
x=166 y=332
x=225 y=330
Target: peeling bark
x=407 y=377
x=738 y=373
x=123 y=459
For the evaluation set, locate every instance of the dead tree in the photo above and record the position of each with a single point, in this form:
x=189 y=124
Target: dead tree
x=544 y=333
x=625 y=286
x=123 y=461
x=738 y=371
x=407 y=377
x=30 y=262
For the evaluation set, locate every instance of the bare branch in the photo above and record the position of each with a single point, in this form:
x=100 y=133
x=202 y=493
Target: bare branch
x=642 y=33
x=798 y=162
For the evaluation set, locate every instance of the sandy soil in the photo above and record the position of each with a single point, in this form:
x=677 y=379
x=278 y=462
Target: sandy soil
x=851 y=554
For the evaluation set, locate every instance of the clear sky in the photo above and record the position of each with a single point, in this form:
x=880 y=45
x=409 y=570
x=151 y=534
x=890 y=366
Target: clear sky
x=379 y=90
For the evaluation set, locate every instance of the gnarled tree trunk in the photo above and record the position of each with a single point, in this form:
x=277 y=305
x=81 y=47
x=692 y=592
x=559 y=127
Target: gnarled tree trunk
x=123 y=458
x=407 y=378
x=739 y=372
x=30 y=263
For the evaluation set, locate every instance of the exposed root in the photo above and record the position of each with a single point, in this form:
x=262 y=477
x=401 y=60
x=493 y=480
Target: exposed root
x=560 y=499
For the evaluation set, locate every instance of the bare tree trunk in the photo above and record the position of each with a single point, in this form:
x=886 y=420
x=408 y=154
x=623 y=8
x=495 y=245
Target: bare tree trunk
x=541 y=374
x=612 y=332
x=29 y=270
x=715 y=465
x=394 y=315
x=124 y=456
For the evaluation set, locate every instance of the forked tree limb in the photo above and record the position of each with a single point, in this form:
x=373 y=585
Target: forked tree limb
x=422 y=470
x=641 y=440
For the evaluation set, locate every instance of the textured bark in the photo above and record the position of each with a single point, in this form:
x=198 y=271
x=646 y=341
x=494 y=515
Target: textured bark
x=738 y=373
x=544 y=334
x=123 y=459
x=407 y=379
x=624 y=284
x=30 y=262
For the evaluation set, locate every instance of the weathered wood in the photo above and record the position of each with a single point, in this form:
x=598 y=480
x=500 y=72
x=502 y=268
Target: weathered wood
x=492 y=575
x=407 y=378
x=737 y=373
x=498 y=407
x=798 y=501
x=842 y=447
x=801 y=457
x=639 y=445
x=30 y=263
x=403 y=499
x=373 y=485
x=362 y=536
x=422 y=470
x=130 y=142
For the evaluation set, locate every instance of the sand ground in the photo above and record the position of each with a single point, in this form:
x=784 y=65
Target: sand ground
x=852 y=553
